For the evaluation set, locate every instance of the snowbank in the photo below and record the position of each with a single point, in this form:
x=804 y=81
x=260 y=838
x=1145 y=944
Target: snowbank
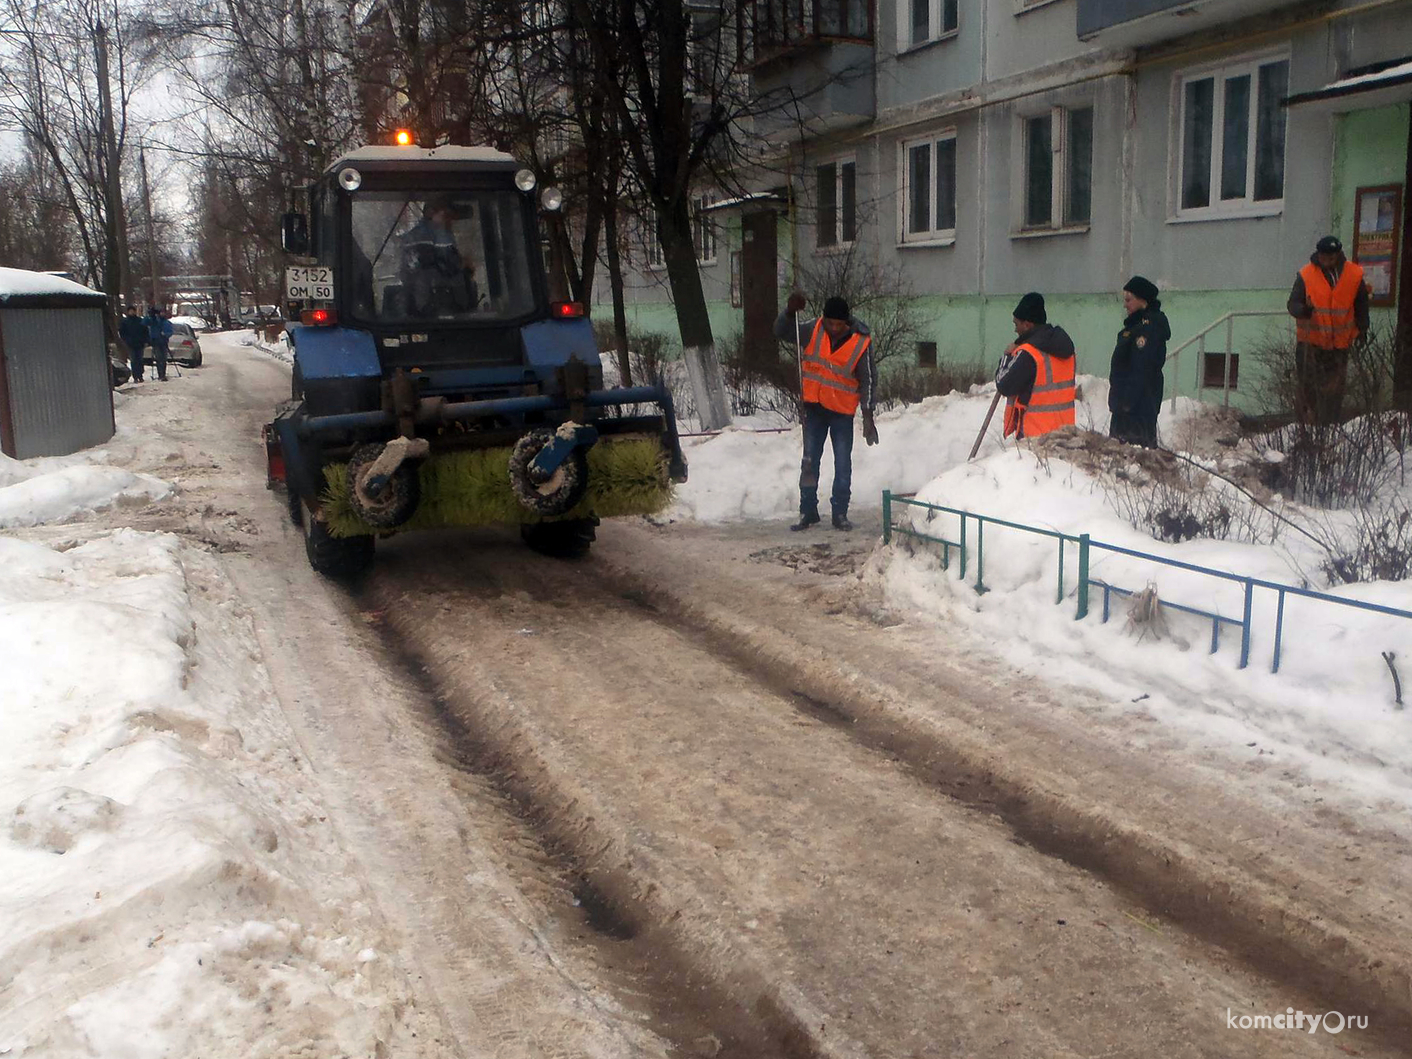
x=159 y=857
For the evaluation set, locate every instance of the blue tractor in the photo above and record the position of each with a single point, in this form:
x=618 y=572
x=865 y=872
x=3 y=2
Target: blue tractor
x=437 y=382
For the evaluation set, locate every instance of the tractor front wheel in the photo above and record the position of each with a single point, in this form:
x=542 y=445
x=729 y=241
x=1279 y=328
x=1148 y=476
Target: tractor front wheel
x=337 y=557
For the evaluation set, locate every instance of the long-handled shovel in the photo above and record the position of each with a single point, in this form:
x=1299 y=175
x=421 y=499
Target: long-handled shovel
x=985 y=426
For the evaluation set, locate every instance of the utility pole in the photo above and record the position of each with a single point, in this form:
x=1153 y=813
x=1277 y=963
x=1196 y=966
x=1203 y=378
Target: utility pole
x=151 y=231
x=115 y=265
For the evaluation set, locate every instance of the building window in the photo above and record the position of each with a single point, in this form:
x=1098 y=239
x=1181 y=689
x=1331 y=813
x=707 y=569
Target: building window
x=835 y=187
x=928 y=20
x=782 y=23
x=703 y=231
x=651 y=236
x=1213 y=371
x=929 y=188
x=926 y=354
x=1058 y=153
x=1233 y=138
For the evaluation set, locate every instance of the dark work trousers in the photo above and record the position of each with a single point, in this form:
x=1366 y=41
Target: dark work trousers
x=159 y=354
x=1321 y=376
x=820 y=425
x=135 y=362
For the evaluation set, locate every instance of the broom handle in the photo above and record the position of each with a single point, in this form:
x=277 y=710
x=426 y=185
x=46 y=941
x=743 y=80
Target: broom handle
x=985 y=426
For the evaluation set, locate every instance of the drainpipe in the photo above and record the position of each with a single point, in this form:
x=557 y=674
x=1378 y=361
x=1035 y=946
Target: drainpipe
x=982 y=154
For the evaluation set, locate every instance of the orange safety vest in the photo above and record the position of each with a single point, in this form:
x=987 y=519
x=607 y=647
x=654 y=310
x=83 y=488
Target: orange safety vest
x=1332 y=326
x=828 y=377
x=1051 y=403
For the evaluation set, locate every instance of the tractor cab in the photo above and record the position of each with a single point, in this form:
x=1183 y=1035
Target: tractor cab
x=437 y=378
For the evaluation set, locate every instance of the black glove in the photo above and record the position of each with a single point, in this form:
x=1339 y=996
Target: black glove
x=870 y=429
x=795 y=303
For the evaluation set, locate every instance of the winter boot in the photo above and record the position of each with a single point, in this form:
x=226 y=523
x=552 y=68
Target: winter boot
x=806 y=519
x=840 y=522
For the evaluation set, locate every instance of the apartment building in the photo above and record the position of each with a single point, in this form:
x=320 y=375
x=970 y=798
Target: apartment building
x=968 y=151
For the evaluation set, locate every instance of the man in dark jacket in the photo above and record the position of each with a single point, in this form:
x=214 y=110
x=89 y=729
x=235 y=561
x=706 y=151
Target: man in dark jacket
x=1135 y=378
x=133 y=331
x=159 y=332
x=1037 y=373
x=837 y=376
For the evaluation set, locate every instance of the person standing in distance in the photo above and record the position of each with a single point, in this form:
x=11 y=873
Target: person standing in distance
x=1036 y=373
x=1329 y=303
x=837 y=374
x=159 y=331
x=1135 y=377
x=133 y=331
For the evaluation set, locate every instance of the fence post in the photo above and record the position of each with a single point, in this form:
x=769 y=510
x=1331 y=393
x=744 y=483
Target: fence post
x=887 y=516
x=963 y=546
x=1059 y=595
x=1279 y=630
x=980 y=556
x=1083 y=578
x=1245 y=625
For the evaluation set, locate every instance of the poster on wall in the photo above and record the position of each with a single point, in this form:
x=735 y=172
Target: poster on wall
x=1377 y=223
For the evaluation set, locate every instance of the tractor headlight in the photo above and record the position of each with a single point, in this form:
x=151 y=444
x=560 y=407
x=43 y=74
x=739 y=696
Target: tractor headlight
x=551 y=198
x=350 y=179
x=524 y=180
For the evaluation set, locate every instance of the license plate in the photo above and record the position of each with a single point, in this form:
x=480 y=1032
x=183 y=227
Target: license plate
x=308 y=283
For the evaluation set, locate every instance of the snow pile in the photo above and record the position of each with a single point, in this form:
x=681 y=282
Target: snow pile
x=162 y=872
x=280 y=348
x=32 y=499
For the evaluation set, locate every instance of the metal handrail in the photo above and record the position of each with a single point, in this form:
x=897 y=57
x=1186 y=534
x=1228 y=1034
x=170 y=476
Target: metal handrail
x=1086 y=544
x=1200 y=337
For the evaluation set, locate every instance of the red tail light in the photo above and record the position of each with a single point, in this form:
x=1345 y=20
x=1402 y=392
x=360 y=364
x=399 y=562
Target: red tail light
x=318 y=317
x=568 y=310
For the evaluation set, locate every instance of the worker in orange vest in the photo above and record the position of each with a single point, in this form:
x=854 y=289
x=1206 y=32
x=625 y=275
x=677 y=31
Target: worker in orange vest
x=837 y=374
x=1036 y=373
x=1329 y=302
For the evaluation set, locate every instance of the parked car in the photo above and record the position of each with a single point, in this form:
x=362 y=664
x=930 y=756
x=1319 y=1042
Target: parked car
x=184 y=347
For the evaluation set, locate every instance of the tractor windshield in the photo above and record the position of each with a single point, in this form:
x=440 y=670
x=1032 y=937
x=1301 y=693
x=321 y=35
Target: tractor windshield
x=440 y=258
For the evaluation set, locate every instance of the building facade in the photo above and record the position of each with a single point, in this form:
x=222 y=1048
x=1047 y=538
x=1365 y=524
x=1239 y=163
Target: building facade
x=963 y=152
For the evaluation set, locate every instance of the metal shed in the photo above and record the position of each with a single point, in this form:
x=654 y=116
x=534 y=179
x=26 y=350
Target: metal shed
x=55 y=386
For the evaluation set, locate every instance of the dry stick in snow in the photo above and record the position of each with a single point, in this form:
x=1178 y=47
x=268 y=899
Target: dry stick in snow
x=1390 y=657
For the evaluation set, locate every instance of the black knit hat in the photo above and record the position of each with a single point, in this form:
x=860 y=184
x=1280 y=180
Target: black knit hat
x=1329 y=245
x=836 y=309
x=1031 y=309
x=1142 y=287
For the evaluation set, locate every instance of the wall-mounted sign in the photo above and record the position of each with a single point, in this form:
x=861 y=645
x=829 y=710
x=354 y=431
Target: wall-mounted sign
x=1377 y=233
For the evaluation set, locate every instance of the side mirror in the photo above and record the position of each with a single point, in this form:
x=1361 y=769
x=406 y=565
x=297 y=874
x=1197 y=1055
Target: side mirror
x=294 y=233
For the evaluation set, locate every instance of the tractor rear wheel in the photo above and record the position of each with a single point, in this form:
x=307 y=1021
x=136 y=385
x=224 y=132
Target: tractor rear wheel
x=569 y=539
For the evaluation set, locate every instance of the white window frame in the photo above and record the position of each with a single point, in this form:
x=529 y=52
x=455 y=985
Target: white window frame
x=705 y=235
x=1218 y=208
x=933 y=236
x=1058 y=171
x=936 y=29
x=838 y=243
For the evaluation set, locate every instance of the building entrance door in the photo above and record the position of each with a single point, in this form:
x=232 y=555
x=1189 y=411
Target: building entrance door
x=759 y=267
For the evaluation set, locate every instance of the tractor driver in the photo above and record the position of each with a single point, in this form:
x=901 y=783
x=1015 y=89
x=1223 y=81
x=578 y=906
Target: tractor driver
x=438 y=280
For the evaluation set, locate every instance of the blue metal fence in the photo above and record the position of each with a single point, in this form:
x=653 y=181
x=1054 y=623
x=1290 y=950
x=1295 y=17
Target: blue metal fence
x=1086 y=545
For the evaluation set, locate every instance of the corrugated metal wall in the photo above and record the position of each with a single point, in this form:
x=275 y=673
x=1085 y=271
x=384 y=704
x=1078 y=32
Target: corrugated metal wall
x=56 y=366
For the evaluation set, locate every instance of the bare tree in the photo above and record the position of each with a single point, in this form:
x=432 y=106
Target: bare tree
x=52 y=91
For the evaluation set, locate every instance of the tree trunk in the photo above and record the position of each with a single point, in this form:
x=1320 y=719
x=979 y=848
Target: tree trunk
x=615 y=281
x=698 y=347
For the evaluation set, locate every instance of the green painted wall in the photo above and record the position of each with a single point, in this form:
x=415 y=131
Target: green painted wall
x=1370 y=147
x=971 y=329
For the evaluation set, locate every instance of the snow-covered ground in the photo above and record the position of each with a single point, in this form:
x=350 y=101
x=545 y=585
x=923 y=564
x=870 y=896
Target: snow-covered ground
x=148 y=776
x=1330 y=710
x=169 y=883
